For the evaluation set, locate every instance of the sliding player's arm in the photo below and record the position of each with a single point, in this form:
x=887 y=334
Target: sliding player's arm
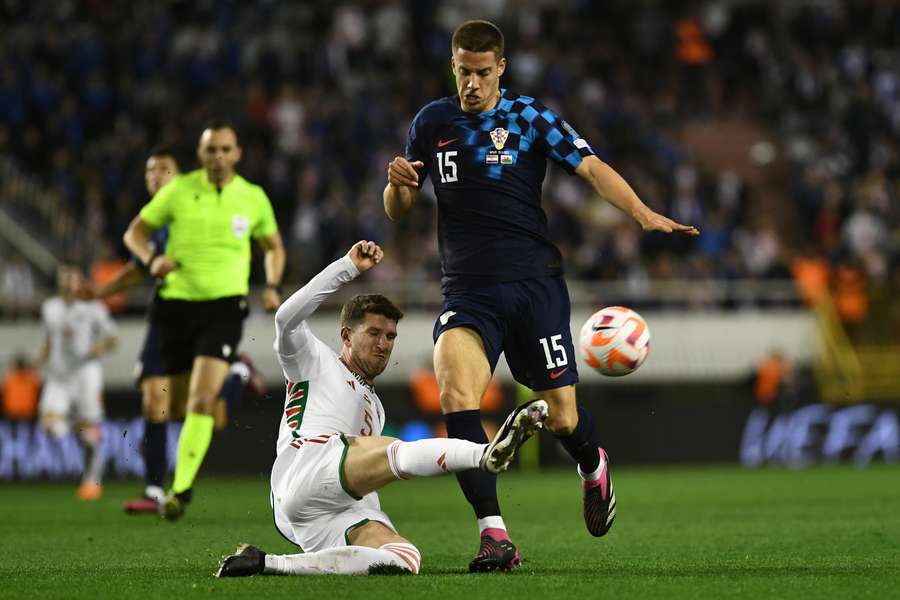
x=610 y=186
x=292 y=333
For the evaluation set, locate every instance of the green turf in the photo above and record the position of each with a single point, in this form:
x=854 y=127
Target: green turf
x=692 y=533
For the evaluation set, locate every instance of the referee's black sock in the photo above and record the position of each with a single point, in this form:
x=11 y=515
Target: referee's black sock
x=580 y=443
x=480 y=488
x=155 y=435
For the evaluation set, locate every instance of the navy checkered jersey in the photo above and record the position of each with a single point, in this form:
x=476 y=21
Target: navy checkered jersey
x=487 y=171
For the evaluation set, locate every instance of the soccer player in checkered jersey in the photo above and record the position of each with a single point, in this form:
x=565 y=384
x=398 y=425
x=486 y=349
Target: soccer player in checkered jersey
x=331 y=457
x=486 y=151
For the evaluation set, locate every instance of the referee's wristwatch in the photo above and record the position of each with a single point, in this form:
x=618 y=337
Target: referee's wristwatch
x=276 y=287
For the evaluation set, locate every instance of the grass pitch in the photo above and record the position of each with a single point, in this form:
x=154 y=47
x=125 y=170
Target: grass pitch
x=700 y=532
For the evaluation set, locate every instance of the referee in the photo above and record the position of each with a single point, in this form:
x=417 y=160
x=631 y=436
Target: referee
x=199 y=311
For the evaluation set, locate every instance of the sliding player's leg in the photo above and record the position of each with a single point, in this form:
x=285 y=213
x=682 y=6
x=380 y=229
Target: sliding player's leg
x=373 y=548
x=357 y=538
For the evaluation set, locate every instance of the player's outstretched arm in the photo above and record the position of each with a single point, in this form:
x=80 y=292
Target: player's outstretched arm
x=402 y=189
x=616 y=191
x=290 y=333
x=128 y=276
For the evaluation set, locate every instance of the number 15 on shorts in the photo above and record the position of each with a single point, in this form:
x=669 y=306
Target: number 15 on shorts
x=553 y=352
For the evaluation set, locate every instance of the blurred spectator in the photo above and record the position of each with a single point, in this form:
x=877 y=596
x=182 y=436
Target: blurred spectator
x=105 y=269
x=19 y=298
x=21 y=384
x=811 y=272
x=324 y=91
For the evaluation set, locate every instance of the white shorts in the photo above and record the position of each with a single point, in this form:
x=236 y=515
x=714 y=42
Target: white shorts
x=79 y=393
x=312 y=507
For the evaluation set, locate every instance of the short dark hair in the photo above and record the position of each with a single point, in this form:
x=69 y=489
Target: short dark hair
x=163 y=150
x=355 y=310
x=478 y=36
x=218 y=123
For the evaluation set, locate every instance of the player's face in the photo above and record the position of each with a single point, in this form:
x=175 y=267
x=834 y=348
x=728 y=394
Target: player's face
x=69 y=279
x=219 y=153
x=159 y=171
x=477 y=79
x=371 y=343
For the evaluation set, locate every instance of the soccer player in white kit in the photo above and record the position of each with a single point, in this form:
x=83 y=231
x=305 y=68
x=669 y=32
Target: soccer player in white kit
x=331 y=457
x=78 y=333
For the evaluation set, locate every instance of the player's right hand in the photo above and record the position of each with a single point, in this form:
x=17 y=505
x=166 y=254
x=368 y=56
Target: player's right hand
x=365 y=255
x=401 y=172
x=162 y=265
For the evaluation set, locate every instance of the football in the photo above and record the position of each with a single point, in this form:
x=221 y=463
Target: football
x=615 y=341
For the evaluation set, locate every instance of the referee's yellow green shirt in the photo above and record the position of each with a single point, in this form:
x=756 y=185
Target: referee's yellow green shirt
x=209 y=234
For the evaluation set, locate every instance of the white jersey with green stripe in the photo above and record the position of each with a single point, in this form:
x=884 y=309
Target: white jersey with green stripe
x=210 y=230
x=323 y=396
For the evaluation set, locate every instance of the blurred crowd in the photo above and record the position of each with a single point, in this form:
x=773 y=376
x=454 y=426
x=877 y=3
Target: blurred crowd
x=323 y=93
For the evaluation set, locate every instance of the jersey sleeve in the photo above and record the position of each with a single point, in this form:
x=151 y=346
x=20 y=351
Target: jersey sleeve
x=265 y=224
x=158 y=211
x=299 y=351
x=417 y=145
x=560 y=142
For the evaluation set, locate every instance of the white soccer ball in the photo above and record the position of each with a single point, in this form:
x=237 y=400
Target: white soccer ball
x=615 y=341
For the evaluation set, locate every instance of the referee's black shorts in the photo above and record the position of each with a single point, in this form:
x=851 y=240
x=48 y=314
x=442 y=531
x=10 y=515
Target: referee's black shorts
x=188 y=329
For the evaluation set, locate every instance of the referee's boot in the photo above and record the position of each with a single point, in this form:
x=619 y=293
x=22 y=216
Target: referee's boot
x=173 y=505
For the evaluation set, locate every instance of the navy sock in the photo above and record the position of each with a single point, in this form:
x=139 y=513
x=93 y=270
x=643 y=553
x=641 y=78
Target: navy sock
x=580 y=443
x=231 y=392
x=155 y=452
x=480 y=488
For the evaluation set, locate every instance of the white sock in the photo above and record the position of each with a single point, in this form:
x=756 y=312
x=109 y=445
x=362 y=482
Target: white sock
x=240 y=369
x=154 y=492
x=596 y=474
x=93 y=460
x=347 y=560
x=433 y=456
x=492 y=522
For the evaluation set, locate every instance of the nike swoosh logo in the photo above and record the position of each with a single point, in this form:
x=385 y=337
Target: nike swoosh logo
x=442 y=143
x=602 y=327
x=557 y=374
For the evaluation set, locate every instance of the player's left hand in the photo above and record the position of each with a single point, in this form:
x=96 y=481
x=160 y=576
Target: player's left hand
x=651 y=221
x=365 y=255
x=271 y=299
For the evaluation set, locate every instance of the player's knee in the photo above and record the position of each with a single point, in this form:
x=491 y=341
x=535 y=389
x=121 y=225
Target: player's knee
x=202 y=402
x=156 y=405
x=562 y=422
x=90 y=433
x=455 y=400
x=55 y=426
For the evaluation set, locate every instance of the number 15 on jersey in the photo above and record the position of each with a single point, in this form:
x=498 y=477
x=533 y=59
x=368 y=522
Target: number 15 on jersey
x=447 y=166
